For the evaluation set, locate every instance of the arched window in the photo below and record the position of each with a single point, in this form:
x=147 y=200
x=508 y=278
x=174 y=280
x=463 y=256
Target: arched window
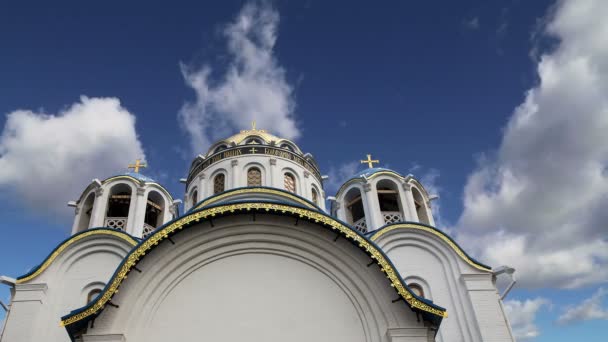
x=390 y=203
x=119 y=202
x=85 y=212
x=421 y=210
x=287 y=147
x=355 y=215
x=219 y=183
x=154 y=217
x=315 y=196
x=254 y=177
x=220 y=148
x=290 y=182
x=417 y=289
x=92 y=295
x=194 y=197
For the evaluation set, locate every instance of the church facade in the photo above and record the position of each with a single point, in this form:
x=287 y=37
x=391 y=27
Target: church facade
x=256 y=256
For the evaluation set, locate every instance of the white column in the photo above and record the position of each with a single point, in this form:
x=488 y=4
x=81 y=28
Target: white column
x=26 y=311
x=375 y=216
x=98 y=214
x=235 y=174
x=407 y=200
x=137 y=212
x=202 y=189
x=306 y=188
x=77 y=215
x=429 y=213
x=272 y=162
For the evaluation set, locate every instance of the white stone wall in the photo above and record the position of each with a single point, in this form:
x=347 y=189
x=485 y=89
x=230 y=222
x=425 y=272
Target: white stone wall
x=272 y=168
x=469 y=295
x=38 y=305
x=267 y=280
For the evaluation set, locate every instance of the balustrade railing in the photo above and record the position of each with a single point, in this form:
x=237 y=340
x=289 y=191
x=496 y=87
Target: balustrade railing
x=116 y=222
x=360 y=225
x=148 y=229
x=392 y=217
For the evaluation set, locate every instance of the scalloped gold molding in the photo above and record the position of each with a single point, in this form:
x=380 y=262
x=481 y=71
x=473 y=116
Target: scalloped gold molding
x=49 y=260
x=440 y=235
x=315 y=216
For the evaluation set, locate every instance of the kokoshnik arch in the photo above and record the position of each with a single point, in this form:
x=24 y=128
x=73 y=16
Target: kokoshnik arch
x=256 y=256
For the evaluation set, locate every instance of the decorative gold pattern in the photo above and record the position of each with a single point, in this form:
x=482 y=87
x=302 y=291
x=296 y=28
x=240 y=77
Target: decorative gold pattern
x=137 y=165
x=440 y=235
x=254 y=177
x=49 y=260
x=369 y=161
x=314 y=216
x=254 y=190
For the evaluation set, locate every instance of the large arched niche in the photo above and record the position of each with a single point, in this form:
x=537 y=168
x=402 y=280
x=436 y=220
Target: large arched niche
x=263 y=280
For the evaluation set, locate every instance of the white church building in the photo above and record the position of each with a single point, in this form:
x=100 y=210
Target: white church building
x=256 y=256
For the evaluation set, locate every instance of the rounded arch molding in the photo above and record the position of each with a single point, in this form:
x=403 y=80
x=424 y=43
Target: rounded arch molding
x=63 y=246
x=429 y=311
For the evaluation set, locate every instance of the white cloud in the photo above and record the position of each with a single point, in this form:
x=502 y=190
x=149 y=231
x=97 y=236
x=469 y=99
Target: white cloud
x=254 y=86
x=472 y=24
x=338 y=175
x=522 y=316
x=48 y=159
x=540 y=204
x=590 y=309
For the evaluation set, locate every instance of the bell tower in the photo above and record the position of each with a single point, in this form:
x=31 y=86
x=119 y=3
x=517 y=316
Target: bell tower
x=131 y=202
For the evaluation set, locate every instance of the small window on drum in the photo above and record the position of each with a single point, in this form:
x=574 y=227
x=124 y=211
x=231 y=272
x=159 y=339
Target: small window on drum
x=92 y=295
x=254 y=177
x=219 y=183
x=290 y=182
x=416 y=289
x=315 y=196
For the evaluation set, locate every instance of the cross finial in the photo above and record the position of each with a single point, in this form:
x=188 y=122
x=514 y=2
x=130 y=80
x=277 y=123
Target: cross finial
x=369 y=161
x=137 y=165
x=253 y=125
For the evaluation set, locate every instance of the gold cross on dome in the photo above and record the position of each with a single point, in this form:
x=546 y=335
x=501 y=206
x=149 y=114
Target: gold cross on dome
x=369 y=161
x=253 y=125
x=137 y=165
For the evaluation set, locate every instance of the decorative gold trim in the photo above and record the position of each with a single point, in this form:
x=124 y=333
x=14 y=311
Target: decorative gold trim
x=440 y=235
x=49 y=260
x=253 y=190
x=315 y=216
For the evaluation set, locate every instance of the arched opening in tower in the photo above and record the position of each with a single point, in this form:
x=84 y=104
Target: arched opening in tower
x=154 y=217
x=355 y=214
x=421 y=209
x=119 y=203
x=85 y=212
x=391 y=207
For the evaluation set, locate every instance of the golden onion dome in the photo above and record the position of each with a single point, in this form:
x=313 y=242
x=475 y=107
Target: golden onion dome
x=253 y=136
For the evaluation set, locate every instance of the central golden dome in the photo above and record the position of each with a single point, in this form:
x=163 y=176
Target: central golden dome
x=253 y=136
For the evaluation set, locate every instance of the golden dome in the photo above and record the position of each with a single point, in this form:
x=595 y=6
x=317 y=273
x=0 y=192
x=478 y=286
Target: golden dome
x=254 y=136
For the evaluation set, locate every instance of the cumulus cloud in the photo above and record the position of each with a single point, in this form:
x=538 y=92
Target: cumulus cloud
x=590 y=309
x=540 y=203
x=48 y=159
x=253 y=86
x=522 y=316
x=340 y=174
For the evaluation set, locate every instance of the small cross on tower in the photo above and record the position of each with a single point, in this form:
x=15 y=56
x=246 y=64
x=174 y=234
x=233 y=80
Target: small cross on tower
x=369 y=161
x=137 y=165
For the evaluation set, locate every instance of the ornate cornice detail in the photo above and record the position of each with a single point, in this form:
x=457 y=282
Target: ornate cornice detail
x=163 y=233
x=67 y=243
x=440 y=235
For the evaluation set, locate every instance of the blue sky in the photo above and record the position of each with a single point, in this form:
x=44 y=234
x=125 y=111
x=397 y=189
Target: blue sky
x=497 y=106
